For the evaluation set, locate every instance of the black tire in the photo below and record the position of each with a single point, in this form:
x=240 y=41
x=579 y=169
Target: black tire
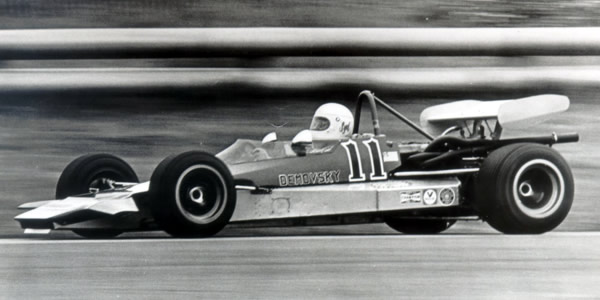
x=192 y=195
x=524 y=189
x=88 y=171
x=419 y=226
x=98 y=233
x=93 y=171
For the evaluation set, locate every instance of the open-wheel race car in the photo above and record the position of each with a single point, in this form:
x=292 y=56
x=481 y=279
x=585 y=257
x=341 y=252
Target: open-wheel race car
x=465 y=171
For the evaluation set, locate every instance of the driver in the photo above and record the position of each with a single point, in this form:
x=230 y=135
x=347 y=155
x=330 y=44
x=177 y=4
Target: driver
x=331 y=123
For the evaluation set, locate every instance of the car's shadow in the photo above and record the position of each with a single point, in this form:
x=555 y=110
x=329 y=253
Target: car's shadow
x=462 y=228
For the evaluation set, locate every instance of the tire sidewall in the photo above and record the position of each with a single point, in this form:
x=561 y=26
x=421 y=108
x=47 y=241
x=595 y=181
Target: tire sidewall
x=167 y=208
x=551 y=221
x=496 y=189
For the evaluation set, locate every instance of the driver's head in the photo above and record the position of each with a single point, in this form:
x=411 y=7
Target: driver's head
x=332 y=122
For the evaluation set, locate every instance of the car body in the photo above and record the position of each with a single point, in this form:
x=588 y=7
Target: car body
x=518 y=185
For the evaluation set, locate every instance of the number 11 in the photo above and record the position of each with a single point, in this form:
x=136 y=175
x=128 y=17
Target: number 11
x=356 y=170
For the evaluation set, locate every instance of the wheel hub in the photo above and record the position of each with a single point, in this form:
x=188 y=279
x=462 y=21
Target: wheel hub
x=525 y=189
x=196 y=194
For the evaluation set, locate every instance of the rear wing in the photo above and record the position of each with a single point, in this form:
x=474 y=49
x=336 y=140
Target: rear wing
x=503 y=113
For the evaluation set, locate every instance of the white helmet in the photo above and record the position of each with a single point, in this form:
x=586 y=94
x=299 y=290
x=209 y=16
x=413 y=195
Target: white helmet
x=331 y=122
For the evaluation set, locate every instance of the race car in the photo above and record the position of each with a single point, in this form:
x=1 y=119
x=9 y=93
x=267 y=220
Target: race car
x=334 y=174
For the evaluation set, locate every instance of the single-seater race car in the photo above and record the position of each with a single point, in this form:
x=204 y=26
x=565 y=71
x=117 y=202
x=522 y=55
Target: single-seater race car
x=465 y=171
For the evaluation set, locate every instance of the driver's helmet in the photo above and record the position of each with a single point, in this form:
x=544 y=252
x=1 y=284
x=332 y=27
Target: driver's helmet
x=332 y=122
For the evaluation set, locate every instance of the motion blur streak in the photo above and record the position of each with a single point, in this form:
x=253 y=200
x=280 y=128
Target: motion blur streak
x=429 y=81
x=260 y=42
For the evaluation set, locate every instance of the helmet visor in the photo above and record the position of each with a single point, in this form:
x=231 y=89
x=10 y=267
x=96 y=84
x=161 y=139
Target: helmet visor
x=319 y=124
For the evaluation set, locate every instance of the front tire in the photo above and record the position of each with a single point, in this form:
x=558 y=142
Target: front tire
x=524 y=189
x=93 y=171
x=192 y=195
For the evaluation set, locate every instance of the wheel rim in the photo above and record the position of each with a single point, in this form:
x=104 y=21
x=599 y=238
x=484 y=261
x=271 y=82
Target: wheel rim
x=538 y=188
x=200 y=194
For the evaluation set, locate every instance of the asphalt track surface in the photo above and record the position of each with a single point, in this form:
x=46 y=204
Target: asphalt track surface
x=447 y=266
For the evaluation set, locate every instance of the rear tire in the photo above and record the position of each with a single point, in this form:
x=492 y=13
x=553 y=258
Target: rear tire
x=93 y=171
x=192 y=195
x=419 y=226
x=524 y=189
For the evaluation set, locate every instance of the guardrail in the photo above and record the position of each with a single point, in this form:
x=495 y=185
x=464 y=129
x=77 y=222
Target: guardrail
x=116 y=44
x=255 y=42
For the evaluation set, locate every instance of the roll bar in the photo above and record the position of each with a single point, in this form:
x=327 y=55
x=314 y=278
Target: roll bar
x=366 y=94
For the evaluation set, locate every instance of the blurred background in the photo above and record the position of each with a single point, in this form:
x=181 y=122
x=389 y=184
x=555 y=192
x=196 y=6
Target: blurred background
x=294 y=13
x=40 y=133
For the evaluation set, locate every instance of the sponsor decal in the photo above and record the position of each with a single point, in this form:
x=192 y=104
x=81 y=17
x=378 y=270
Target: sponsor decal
x=391 y=156
x=410 y=197
x=415 y=197
x=429 y=197
x=404 y=198
x=447 y=196
x=309 y=178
